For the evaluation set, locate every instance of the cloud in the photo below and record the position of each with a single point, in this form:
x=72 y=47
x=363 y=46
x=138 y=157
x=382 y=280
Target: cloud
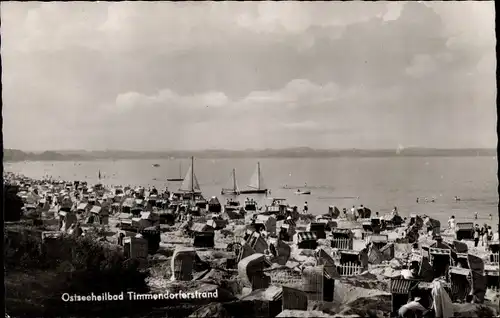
x=298 y=93
x=168 y=98
x=422 y=65
x=264 y=73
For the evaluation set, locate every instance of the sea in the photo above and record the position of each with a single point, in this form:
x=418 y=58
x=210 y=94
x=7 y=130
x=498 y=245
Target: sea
x=377 y=183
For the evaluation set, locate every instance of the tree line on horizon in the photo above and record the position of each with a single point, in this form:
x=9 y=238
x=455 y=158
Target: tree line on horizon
x=12 y=155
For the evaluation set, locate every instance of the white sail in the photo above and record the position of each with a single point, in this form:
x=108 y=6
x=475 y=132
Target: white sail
x=257 y=181
x=232 y=184
x=190 y=183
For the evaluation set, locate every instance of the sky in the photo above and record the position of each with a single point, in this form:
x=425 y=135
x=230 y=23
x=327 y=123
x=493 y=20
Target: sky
x=236 y=75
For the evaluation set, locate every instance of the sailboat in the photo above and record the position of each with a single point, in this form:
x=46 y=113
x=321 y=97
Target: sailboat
x=180 y=175
x=190 y=182
x=234 y=186
x=256 y=183
x=190 y=188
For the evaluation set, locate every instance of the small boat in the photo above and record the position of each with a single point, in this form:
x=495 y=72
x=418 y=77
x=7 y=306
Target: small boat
x=298 y=192
x=156 y=165
x=180 y=175
x=256 y=185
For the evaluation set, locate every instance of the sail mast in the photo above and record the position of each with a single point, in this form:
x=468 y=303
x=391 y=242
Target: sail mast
x=234 y=180
x=258 y=174
x=192 y=174
x=180 y=169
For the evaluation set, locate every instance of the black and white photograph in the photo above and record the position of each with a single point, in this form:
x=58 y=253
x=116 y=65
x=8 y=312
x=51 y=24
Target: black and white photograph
x=250 y=159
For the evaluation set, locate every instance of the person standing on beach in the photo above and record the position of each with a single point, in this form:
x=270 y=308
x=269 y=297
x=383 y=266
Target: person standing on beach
x=485 y=237
x=451 y=223
x=477 y=232
x=306 y=208
x=490 y=233
x=394 y=212
x=475 y=215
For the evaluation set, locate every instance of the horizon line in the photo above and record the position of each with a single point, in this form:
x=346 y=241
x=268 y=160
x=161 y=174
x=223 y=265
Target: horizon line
x=257 y=149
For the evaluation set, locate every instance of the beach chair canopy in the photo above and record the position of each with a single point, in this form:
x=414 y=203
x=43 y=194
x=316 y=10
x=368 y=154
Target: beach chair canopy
x=285 y=226
x=333 y=211
x=476 y=264
x=250 y=265
x=459 y=271
x=214 y=201
x=460 y=247
x=51 y=234
x=126 y=222
x=124 y=216
x=82 y=206
x=212 y=223
x=468 y=226
x=375 y=256
x=146 y=215
x=272 y=293
x=129 y=202
x=201 y=227
x=329 y=266
x=317 y=226
x=96 y=209
x=349 y=253
x=306 y=236
x=378 y=238
x=342 y=233
x=401 y=286
x=432 y=222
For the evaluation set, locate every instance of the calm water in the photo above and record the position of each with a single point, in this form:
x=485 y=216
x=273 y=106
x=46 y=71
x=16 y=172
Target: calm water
x=380 y=183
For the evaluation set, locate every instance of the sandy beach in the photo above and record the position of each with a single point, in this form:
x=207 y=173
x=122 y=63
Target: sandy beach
x=217 y=265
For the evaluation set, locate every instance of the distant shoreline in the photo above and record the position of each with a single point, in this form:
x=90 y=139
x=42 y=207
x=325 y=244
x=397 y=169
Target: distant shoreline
x=12 y=155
